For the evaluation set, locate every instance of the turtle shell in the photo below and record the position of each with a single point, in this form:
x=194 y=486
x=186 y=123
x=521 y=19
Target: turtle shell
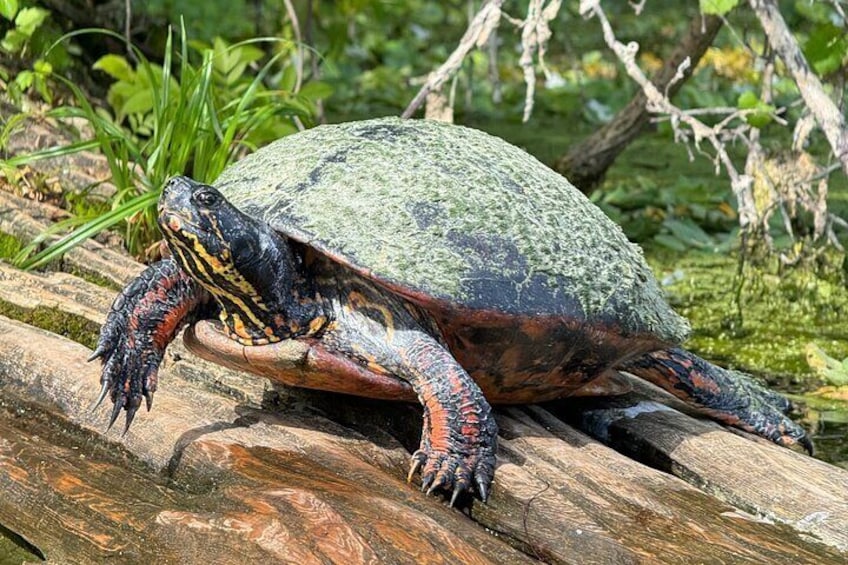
x=451 y=216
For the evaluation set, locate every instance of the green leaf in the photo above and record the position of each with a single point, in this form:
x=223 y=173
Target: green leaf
x=669 y=241
x=24 y=79
x=747 y=100
x=42 y=67
x=689 y=232
x=289 y=79
x=750 y=101
x=8 y=9
x=717 y=7
x=14 y=41
x=826 y=48
x=28 y=20
x=140 y=102
x=316 y=90
x=42 y=88
x=116 y=67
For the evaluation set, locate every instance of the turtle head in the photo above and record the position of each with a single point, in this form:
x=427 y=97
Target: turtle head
x=246 y=266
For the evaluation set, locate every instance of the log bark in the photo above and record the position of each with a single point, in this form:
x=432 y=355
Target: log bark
x=810 y=497
x=324 y=480
x=586 y=163
x=27 y=219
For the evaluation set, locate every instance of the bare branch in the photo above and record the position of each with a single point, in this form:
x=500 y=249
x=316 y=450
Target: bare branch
x=657 y=102
x=586 y=162
x=476 y=35
x=827 y=115
x=534 y=37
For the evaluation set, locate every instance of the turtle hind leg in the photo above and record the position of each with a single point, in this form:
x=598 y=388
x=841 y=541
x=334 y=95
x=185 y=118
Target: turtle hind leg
x=730 y=397
x=144 y=318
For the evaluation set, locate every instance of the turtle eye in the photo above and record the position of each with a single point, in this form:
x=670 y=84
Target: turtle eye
x=206 y=198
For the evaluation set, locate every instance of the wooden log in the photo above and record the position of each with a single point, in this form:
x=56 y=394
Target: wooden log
x=751 y=473
x=62 y=291
x=256 y=509
x=18 y=218
x=337 y=464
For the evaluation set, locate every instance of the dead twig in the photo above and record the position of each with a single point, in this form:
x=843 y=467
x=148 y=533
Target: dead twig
x=827 y=115
x=657 y=102
x=476 y=35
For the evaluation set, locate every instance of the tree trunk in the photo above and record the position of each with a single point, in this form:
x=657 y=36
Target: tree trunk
x=586 y=163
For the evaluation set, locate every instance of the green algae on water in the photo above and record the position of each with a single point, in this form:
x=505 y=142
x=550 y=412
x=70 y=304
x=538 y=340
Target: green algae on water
x=765 y=331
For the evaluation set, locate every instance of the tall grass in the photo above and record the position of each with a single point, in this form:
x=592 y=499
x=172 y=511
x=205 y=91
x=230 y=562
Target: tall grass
x=196 y=123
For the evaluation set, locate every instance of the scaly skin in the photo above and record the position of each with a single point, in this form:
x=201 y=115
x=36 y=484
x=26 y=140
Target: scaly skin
x=267 y=289
x=387 y=334
x=144 y=318
x=728 y=396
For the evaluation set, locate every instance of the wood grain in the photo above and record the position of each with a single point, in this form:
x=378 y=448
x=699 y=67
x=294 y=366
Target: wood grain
x=230 y=466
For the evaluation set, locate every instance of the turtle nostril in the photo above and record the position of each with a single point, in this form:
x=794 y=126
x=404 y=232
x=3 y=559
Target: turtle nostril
x=177 y=183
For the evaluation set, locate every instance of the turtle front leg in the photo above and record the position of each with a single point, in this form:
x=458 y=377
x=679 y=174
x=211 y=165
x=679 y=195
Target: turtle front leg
x=459 y=436
x=388 y=336
x=144 y=318
x=728 y=396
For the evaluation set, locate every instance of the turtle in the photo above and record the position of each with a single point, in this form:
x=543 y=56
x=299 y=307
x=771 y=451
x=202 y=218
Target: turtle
x=407 y=259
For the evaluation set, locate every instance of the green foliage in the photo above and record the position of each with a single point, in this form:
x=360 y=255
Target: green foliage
x=176 y=118
x=36 y=79
x=827 y=48
x=210 y=18
x=717 y=7
x=27 y=42
x=26 y=21
x=761 y=112
x=685 y=215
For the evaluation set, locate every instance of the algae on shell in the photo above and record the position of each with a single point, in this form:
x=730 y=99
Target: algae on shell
x=457 y=213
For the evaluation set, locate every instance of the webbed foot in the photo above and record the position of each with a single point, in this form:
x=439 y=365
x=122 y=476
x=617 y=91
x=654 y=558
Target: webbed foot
x=143 y=320
x=462 y=465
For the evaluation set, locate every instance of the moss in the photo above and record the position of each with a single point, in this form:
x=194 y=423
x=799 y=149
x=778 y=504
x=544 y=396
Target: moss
x=9 y=246
x=455 y=213
x=73 y=327
x=762 y=327
x=92 y=277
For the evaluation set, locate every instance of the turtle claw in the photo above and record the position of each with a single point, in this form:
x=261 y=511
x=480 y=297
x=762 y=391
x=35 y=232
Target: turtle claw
x=807 y=444
x=482 y=487
x=452 y=472
x=104 y=390
x=458 y=490
x=132 y=409
x=116 y=410
x=417 y=462
x=101 y=350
